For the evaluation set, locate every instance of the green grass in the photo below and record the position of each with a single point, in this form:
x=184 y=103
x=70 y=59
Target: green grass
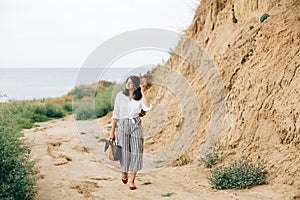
x=29 y=112
x=83 y=91
x=85 y=111
x=238 y=175
x=91 y=105
x=67 y=106
x=17 y=173
x=104 y=101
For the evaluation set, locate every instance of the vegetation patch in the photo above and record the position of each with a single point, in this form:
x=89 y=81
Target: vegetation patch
x=210 y=157
x=26 y=113
x=183 y=160
x=93 y=101
x=17 y=172
x=264 y=17
x=238 y=175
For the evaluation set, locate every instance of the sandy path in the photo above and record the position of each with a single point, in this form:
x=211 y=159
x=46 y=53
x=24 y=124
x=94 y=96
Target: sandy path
x=69 y=171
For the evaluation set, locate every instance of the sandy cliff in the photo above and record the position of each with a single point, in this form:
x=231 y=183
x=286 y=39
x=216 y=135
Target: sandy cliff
x=260 y=72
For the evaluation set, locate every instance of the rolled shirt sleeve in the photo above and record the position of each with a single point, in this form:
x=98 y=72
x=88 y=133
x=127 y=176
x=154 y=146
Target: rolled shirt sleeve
x=116 y=111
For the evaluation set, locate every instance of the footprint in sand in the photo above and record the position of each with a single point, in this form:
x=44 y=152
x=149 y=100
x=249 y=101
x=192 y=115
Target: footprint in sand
x=53 y=150
x=85 y=188
x=102 y=178
x=82 y=149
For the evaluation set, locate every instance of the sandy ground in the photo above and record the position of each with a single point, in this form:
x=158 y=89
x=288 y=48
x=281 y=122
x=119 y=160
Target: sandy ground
x=70 y=169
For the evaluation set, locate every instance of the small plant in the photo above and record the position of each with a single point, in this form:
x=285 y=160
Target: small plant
x=210 y=157
x=251 y=27
x=168 y=194
x=183 y=160
x=147 y=183
x=239 y=174
x=264 y=17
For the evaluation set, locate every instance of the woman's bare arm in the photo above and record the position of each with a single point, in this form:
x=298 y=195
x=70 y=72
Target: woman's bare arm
x=146 y=101
x=113 y=128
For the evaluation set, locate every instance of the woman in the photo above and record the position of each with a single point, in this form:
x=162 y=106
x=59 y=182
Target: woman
x=128 y=105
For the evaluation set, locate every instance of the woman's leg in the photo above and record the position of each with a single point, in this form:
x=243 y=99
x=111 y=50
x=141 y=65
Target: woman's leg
x=136 y=149
x=123 y=139
x=132 y=179
x=124 y=177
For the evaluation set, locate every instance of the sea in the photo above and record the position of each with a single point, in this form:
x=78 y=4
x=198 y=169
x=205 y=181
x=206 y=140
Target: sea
x=38 y=83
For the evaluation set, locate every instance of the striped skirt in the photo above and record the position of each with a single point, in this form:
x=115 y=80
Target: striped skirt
x=130 y=138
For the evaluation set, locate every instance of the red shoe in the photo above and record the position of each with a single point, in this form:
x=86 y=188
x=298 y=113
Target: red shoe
x=124 y=181
x=133 y=187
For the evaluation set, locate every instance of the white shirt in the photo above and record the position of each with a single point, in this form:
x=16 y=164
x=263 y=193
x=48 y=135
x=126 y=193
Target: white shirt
x=126 y=108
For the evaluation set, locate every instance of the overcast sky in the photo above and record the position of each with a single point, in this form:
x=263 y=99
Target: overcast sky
x=62 y=33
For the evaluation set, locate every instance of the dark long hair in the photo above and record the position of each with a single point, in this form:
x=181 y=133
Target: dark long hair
x=137 y=95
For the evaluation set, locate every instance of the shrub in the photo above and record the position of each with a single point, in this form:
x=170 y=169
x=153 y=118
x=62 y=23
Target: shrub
x=39 y=118
x=16 y=169
x=264 y=17
x=239 y=174
x=102 y=97
x=24 y=123
x=54 y=111
x=67 y=106
x=85 y=111
x=27 y=113
x=210 y=157
x=40 y=109
x=80 y=92
x=104 y=101
x=251 y=27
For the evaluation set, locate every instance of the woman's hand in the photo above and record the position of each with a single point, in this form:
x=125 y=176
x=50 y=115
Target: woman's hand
x=142 y=89
x=112 y=136
x=146 y=101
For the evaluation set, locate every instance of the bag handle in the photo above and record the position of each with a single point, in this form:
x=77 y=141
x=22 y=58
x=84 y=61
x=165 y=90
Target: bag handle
x=108 y=143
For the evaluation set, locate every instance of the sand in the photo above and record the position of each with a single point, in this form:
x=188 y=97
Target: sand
x=68 y=170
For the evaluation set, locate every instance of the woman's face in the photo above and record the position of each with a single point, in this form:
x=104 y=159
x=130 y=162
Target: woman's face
x=129 y=85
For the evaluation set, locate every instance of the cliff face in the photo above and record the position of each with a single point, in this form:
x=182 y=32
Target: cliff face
x=260 y=72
